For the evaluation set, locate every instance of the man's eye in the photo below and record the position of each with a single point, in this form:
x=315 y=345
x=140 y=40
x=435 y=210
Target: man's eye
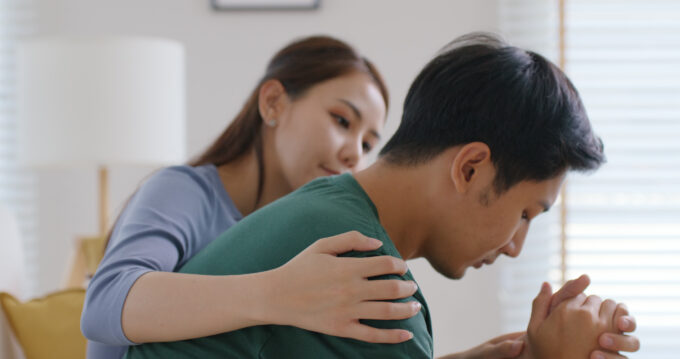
x=367 y=146
x=341 y=120
x=525 y=216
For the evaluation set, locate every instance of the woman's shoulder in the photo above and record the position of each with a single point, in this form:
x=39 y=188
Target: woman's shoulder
x=183 y=185
x=183 y=178
x=185 y=173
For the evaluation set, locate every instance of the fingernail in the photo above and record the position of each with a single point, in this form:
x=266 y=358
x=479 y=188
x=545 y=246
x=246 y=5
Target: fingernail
x=406 y=336
x=607 y=342
x=377 y=242
x=415 y=286
x=599 y=356
x=516 y=346
x=626 y=323
x=416 y=306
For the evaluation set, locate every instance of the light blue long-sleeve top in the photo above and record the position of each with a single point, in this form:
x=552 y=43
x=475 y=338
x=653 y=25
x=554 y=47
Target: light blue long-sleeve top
x=173 y=215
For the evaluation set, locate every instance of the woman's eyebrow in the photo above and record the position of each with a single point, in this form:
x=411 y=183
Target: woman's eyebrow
x=351 y=105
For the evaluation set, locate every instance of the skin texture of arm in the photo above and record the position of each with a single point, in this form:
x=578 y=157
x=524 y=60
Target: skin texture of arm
x=331 y=297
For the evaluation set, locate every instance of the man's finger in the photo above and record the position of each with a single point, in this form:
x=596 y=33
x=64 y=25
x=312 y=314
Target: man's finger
x=619 y=342
x=569 y=290
x=594 y=302
x=622 y=318
x=607 y=310
x=605 y=355
x=626 y=324
x=540 y=306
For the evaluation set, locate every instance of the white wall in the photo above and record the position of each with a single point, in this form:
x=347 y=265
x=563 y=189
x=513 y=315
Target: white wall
x=226 y=54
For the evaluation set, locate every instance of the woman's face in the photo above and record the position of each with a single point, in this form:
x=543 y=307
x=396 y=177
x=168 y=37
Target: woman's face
x=329 y=129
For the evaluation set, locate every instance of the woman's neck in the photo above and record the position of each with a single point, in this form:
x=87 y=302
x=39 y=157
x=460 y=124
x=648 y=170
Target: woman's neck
x=241 y=177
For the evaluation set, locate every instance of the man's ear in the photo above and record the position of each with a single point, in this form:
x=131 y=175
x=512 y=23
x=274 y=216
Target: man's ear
x=470 y=165
x=272 y=100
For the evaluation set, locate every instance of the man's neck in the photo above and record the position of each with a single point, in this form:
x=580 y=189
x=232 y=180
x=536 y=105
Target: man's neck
x=397 y=194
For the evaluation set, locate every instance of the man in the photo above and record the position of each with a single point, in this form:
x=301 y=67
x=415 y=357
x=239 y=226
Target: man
x=487 y=136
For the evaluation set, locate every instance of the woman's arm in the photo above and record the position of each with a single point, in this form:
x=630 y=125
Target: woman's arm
x=316 y=291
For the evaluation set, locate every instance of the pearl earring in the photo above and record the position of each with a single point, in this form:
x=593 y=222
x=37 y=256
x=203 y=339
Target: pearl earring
x=272 y=123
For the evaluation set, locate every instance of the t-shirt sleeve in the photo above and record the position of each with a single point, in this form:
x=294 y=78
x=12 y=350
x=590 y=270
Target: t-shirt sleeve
x=158 y=230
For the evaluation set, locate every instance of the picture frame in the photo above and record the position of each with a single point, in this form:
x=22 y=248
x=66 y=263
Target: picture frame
x=257 y=5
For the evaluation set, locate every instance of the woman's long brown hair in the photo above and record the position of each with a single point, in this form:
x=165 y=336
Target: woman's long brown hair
x=299 y=66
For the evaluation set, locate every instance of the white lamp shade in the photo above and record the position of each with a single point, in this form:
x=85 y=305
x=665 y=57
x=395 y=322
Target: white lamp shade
x=100 y=101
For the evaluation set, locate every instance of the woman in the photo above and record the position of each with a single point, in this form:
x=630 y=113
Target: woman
x=317 y=111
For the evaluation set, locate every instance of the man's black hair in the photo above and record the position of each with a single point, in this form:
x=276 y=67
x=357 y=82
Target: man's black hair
x=479 y=89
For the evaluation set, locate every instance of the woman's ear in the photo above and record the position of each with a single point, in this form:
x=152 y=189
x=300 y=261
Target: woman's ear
x=272 y=101
x=471 y=165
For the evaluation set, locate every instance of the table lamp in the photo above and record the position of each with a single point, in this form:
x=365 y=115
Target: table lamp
x=100 y=101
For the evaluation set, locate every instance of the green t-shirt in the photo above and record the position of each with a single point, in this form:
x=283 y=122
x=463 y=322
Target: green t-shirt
x=269 y=238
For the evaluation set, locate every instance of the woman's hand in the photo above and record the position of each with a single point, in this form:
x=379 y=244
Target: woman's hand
x=319 y=291
x=504 y=347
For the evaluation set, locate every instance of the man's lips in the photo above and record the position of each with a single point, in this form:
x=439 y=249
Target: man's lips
x=487 y=261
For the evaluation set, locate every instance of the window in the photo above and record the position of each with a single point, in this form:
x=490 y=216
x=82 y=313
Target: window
x=17 y=186
x=622 y=223
x=532 y=25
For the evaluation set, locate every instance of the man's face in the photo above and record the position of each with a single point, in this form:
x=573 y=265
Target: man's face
x=489 y=225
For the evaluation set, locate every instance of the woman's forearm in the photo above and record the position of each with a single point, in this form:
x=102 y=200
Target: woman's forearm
x=164 y=306
x=316 y=290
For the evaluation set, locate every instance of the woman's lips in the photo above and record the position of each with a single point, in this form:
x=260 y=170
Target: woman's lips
x=330 y=171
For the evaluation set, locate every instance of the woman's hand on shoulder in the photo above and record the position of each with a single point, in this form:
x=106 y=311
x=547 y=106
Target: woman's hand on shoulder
x=319 y=291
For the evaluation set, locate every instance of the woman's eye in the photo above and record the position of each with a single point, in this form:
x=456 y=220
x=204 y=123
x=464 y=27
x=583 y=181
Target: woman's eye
x=367 y=147
x=525 y=216
x=341 y=120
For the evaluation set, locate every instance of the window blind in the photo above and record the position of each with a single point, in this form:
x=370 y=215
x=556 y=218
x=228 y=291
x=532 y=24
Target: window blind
x=17 y=186
x=532 y=25
x=623 y=222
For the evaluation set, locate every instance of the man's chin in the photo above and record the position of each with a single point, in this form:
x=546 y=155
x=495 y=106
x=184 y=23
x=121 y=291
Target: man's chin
x=459 y=273
x=447 y=271
x=456 y=273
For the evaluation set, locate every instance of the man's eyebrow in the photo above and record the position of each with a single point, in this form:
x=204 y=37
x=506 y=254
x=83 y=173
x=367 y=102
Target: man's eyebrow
x=358 y=114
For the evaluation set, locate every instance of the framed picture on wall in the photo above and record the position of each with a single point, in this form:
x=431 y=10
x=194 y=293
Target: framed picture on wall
x=265 y=4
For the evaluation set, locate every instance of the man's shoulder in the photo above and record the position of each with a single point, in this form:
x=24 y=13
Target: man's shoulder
x=320 y=208
x=274 y=234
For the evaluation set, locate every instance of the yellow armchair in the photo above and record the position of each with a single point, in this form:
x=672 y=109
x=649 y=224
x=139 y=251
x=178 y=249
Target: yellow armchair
x=48 y=327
